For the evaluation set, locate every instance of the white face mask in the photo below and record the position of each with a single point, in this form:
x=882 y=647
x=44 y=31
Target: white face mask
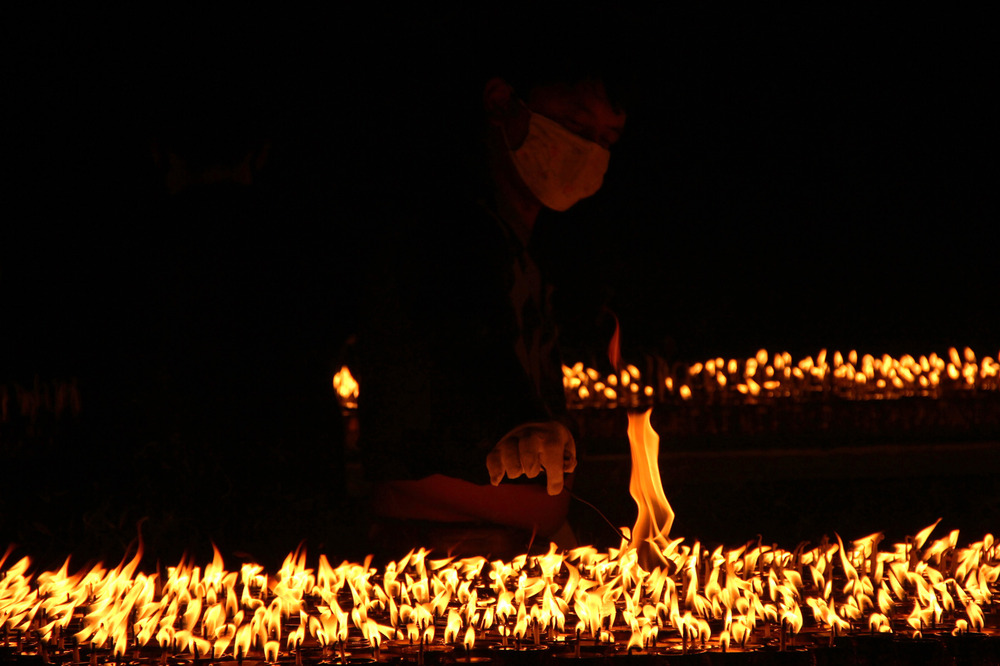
x=558 y=166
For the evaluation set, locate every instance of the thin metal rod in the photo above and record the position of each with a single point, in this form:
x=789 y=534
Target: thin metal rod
x=580 y=499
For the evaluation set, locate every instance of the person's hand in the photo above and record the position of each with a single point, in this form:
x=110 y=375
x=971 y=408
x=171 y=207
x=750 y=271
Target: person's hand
x=530 y=448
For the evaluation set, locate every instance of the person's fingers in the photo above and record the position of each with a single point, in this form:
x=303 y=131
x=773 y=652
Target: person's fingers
x=529 y=448
x=569 y=456
x=511 y=458
x=552 y=460
x=494 y=464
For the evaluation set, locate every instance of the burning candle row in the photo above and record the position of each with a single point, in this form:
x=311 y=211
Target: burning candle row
x=765 y=377
x=704 y=598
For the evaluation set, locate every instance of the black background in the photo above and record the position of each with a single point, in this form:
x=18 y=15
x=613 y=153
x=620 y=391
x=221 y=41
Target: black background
x=791 y=180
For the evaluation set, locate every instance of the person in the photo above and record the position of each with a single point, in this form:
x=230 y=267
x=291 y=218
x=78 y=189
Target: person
x=464 y=430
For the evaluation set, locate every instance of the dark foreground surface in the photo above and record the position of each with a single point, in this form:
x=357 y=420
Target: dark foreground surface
x=883 y=650
x=66 y=490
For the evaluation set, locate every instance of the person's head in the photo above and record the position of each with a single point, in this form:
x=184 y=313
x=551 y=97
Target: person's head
x=556 y=138
x=555 y=66
x=554 y=107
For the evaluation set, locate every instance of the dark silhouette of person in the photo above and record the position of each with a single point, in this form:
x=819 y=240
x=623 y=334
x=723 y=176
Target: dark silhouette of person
x=463 y=417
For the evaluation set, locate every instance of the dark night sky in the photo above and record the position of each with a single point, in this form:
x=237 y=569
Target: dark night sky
x=793 y=181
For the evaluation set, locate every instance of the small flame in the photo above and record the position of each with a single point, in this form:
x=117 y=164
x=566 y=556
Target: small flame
x=614 y=347
x=271 y=649
x=346 y=387
x=976 y=618
x=453 y=627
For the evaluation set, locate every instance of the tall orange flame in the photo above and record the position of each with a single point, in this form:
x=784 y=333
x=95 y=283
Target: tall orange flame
x=652 y=525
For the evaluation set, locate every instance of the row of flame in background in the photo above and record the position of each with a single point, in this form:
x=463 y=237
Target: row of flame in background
x=762 y=377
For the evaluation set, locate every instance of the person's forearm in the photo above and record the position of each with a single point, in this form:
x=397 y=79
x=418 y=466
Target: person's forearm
x=447 y=499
